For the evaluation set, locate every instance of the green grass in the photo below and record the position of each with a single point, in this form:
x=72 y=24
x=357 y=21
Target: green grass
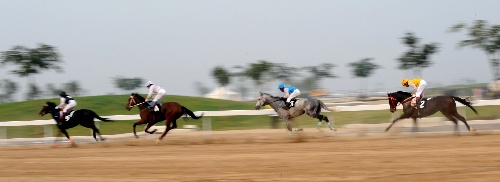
x=115 y=105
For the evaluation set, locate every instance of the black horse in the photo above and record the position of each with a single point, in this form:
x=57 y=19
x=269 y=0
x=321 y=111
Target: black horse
x=82 y=117
x=426 y=107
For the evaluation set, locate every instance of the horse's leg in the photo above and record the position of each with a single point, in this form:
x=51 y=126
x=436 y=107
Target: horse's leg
x=167 y=128
x=140 y=122
x=174 y=124
x=96 y=131
x=288 y=125
x=406 y=114
x=461 y=118
x=415 y=125
x=149 y=126
x=452 y=119
x=67 y=136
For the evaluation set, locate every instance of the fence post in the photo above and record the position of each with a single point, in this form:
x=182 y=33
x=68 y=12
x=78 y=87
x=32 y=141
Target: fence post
x=207 y=126
x=3 y=134
x=48 y=133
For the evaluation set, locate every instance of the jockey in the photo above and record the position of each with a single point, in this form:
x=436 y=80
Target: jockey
x=290 y=93
x=67 y=103
x=419 y=85
x=157 y=90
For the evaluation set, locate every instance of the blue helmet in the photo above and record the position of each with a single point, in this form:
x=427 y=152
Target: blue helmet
x=281 y=86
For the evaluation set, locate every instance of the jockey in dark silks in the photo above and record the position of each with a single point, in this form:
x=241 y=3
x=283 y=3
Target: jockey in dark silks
x=290 y=93
x=67 y=103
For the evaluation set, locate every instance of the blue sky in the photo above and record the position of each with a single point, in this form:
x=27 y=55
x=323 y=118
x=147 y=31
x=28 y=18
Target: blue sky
x=178 y=43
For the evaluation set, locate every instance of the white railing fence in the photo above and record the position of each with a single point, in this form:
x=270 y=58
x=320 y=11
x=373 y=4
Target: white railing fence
x=48 y=123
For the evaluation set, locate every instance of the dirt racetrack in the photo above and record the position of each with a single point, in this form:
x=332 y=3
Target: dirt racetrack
x=261 y=155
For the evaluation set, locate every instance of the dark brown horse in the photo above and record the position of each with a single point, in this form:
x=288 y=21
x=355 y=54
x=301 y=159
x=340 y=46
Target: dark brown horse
x=82 y=117
x=170 y=112
x=426 y=107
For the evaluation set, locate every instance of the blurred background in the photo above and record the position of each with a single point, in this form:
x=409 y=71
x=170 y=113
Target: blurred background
x=339 y=51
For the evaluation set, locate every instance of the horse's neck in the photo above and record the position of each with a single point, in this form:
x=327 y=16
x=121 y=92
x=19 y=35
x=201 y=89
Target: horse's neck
x=274 y=103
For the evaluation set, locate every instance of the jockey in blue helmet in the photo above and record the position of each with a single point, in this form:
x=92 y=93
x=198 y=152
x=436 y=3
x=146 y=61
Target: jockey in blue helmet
x=290 y=93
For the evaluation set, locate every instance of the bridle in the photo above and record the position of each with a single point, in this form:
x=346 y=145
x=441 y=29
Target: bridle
x=132 y=102
x=396 y=103
x=266 y=103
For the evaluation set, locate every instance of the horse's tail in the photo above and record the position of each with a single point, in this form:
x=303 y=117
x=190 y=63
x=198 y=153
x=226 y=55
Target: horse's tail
x=100 y=118
x=190 y=113
x=464 y=102
x=323 y=105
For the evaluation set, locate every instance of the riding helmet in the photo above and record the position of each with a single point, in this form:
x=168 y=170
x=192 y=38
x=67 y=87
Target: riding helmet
x=404 y=82
x=149 y=83
x=281 y=86
x=63 y=94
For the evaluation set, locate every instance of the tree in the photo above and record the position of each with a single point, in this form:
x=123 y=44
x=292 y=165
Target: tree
x=485 y=37
x=128 y=84
x=283 y=72
x=256 y=71
x=221 y=75
x=33 y=92
x=363 y=68
x=9 y=88
x=319 y=72
x=32 y=61
x=73 y=87
x=417 y=57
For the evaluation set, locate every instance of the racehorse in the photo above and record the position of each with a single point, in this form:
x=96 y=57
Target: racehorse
x=428 y=106
x=310 y=106
x=170 y=111
x=82 y=117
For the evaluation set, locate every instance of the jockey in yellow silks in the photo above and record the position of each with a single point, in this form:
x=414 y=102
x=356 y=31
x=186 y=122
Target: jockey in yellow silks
x=419 y=85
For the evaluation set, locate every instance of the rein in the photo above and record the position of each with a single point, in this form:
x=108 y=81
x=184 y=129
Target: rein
x=402 y=102
x=133 y=100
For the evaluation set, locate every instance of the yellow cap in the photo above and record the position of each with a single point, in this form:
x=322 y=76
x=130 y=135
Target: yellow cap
x=404 y=82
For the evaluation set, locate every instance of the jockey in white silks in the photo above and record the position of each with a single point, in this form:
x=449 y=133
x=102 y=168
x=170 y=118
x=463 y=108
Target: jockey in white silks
x=419 y=85
x=160 y=92
x=67 y=103
x=290 y=93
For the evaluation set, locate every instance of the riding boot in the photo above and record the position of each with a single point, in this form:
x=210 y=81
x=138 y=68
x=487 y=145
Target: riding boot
x=287 y=105
x=152 y=107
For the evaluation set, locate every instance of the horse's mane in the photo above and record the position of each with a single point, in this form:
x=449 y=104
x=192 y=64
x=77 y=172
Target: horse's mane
x=51 y=104
x=263 y=93
x=402 y=94
x=138 y=96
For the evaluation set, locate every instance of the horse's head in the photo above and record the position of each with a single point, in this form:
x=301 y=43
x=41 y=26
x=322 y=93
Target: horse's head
x=133 y=100
x=48 y=107
x=396 y=98
x=262 y=101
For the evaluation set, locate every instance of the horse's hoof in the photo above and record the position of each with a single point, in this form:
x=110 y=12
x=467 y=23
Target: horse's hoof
x=157 y=141
x=473 y=129
x=136 y=136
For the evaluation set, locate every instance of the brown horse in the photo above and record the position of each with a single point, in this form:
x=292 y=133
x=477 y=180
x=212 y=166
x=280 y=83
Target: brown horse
x=170 y=112
x=426 y=107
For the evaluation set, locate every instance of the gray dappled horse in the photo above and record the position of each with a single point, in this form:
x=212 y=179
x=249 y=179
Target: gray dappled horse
x=310 y=106
x=427 y=106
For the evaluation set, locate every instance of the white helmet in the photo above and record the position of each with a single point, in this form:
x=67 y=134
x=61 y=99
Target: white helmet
x=149 y=83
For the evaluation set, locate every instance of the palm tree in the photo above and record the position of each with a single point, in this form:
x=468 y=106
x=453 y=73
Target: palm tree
x=363 y=68
x=221 y=75
x=318 y=73
x=486 y=38
x=31 y=62
x=417 y=57
x=256 y=71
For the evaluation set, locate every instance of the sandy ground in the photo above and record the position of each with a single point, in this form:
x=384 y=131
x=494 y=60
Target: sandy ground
x=261 y=155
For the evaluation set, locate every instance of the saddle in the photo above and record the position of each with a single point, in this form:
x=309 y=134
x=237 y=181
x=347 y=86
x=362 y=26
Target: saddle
x=68 y=115
x=292 y=103
x=156 y=108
